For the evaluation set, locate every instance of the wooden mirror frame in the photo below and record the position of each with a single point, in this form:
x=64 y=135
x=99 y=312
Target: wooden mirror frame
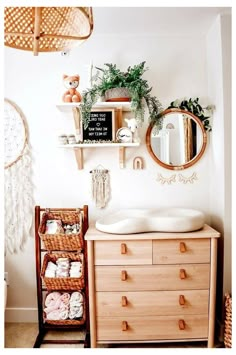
x=191 y=162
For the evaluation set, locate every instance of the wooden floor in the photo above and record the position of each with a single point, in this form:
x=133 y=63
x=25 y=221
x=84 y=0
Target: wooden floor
x=23 y=335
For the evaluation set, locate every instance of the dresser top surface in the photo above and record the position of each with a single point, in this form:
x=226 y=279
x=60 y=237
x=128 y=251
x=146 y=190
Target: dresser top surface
x=206 y=232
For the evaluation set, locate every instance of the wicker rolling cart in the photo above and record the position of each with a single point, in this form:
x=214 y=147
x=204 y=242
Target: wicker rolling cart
x=47 y=249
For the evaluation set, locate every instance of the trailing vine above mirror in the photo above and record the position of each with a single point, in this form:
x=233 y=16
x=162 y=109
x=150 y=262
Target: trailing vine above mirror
x=193 y=106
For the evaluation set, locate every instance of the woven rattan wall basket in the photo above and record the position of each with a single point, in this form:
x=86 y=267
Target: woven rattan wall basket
x=46 y=29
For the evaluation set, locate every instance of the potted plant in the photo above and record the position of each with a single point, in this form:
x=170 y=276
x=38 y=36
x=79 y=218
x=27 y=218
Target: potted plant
x=192 y=105
x=137 y=89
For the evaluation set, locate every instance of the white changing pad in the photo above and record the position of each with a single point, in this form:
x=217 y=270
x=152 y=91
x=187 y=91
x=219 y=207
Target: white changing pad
x=129 y=221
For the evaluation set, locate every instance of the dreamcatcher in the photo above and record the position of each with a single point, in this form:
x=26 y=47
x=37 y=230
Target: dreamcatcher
x=18 y=184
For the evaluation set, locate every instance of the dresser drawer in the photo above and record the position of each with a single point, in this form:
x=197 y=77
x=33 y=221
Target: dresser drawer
x=129 y=252
x=180 y=251
x=155 y=277
x=150 y=303
x=152 y=328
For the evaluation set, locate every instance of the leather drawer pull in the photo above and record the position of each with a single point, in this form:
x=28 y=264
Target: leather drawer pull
x=123 y=248
x=181 y=300
x=124 y=301
x=182 y=274
x=124 y=325
x=123 y=275
x=182 y=247
x=181 y=324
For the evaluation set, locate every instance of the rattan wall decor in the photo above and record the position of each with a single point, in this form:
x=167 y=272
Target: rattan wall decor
x=46 y=29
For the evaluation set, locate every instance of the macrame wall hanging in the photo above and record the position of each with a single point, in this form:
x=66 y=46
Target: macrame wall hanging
x=100 y=186
x=18 y=185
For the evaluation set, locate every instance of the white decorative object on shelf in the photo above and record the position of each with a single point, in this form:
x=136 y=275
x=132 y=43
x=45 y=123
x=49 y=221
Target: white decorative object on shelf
x=168 y=180
x=124 y=135
x=133 y=126
x=63 y=139
x=189 y=179
x=18 y=185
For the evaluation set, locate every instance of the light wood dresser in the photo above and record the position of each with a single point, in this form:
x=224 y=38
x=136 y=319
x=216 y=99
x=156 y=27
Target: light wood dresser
x=152 y=287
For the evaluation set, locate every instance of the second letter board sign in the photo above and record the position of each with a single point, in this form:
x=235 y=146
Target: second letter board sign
x=101 y=125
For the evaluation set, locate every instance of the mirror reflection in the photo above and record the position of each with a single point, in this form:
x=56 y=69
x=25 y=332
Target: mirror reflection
x=180 y=142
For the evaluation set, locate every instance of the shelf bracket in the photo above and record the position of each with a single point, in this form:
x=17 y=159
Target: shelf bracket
x=79 y=157
x=122 y=157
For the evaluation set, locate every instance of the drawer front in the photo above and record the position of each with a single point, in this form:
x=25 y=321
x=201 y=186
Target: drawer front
x=152 y=278
x=152 y=328
x=150 y=303
x=129 y=252
x=180 y=251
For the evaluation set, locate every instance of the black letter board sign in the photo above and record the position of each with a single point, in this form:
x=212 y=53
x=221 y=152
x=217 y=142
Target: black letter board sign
x=101 y=125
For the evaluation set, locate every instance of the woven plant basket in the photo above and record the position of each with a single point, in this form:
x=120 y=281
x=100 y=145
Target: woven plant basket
x=117 y=94
x=68 y=321
x=46 y=29
x=228 y=321
x=62 y=241
x=63 y=283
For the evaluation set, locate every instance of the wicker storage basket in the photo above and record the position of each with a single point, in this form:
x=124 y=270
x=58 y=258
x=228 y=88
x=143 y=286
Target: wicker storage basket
x=68 y=321
x=63 y=283
x=62 y=241
x=228 y=321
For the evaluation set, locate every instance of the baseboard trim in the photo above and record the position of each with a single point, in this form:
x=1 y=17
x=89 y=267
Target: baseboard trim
x=21 y=315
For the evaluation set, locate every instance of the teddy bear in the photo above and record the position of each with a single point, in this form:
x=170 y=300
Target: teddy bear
x=71 y=83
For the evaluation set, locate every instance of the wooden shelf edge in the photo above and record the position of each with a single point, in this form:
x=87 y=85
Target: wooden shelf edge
x=67 y=107
x=78 y=150
x=99 y=145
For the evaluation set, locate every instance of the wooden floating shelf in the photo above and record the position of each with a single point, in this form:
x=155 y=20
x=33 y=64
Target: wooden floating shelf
x=78 y=149
x=66 y=107
x=99 y=145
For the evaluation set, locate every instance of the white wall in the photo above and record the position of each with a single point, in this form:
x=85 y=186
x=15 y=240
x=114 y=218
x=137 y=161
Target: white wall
x=219 y=88
x=176 y=70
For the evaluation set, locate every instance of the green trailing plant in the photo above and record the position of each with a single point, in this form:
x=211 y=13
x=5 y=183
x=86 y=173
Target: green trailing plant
x=193 y=106
x=111 y=77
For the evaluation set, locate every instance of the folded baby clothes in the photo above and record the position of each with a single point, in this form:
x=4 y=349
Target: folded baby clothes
x=62 y=305
x=72 y=228
x=54 y=226
x=50 y=269
x=76 y=312
x=63 y=266
x=76 y=269
x=58 y=315
x=53 y=302
x=65 y=298
x=51 y=298
x=76 y=297
x=76 y=305
x=57 y=306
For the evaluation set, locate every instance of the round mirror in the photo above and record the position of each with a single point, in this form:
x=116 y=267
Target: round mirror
x=181 y=141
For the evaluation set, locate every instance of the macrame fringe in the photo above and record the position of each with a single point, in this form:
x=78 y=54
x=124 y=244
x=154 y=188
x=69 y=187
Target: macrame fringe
x=18 y=203
x=100 y=187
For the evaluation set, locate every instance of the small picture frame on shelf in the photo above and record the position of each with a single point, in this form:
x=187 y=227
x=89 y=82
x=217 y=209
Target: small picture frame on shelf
x=101 y=125
x=124 y=135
